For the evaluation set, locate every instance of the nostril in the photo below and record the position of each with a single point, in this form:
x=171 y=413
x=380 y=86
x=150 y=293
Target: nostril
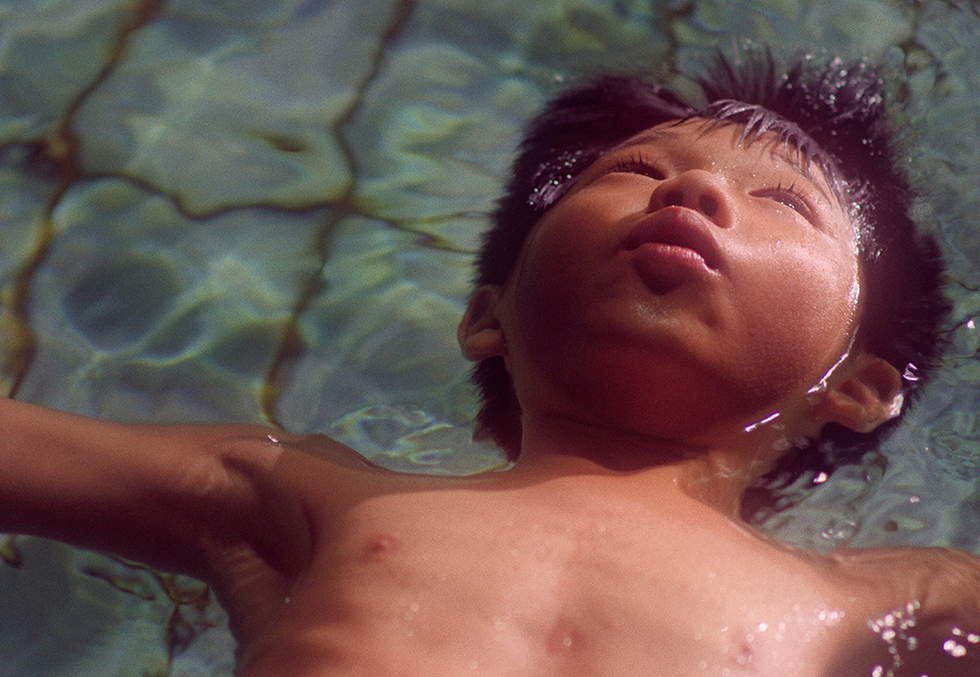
x=708 y=205
x=674 y=198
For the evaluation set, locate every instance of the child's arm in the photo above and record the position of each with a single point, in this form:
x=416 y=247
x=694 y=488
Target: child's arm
x=174 y=497
x=933 y=626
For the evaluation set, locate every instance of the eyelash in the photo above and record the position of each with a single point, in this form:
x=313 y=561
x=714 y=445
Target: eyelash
x=799 y=204
x=636 y=164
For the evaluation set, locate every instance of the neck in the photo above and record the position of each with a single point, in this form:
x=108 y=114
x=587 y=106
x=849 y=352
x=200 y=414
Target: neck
x=715 y=474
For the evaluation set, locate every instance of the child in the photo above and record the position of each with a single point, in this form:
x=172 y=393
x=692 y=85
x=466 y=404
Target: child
x=672 y=300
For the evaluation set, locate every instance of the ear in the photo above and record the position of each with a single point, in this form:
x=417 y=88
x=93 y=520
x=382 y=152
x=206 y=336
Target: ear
x=480 y=334
x=867 y=398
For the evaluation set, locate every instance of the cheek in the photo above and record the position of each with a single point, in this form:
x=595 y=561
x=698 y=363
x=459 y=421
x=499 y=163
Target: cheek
x=538 y=291
x=802 y=314
x=561 y=263
x=543 y=277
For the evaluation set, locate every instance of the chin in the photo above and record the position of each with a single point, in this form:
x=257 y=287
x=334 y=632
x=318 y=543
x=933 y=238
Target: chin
x=667 y=401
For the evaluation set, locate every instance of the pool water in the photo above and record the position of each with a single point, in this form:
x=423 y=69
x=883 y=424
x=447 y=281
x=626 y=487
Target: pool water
x=266 y=211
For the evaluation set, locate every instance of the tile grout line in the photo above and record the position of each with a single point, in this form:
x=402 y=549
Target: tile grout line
x=61 y=148
x=343 y=207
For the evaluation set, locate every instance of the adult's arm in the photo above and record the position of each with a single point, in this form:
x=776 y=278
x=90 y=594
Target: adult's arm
x=173 y=497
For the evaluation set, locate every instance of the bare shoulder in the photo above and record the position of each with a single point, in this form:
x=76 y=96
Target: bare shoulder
x=322 y=478
x=945 y=580
x=921 y=606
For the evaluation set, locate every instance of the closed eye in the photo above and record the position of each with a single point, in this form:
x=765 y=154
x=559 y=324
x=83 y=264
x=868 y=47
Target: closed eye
x=789 y=196
x=636 y=164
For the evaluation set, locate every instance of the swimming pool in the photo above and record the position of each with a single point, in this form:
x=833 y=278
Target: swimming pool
x=265 y=210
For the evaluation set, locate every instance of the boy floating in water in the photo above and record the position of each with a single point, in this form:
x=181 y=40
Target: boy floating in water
x=673 y=301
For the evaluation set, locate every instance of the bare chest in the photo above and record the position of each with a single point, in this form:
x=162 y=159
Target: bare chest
x=494 y=588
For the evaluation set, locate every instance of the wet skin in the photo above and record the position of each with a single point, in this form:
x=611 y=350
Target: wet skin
x=581 y=572
x=686 y=288
x=768 y=314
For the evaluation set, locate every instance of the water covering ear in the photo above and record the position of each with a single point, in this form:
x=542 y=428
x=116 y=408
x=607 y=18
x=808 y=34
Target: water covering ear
x=480 y=334
x=869 y=396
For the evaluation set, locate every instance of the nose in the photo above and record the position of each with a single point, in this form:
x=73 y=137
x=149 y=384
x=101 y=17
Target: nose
x=695 y=189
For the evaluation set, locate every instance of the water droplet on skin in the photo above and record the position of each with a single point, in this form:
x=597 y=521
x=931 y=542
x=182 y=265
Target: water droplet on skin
x=954 y=648
x=274 y=440
x=830 y=617
x=763 y=626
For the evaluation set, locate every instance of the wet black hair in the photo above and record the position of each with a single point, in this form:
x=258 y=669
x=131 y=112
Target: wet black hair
x=833 y=113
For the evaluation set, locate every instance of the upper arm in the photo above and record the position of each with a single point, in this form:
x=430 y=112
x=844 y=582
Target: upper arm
x=930 y=623
x=163 y=495
x=949 y=632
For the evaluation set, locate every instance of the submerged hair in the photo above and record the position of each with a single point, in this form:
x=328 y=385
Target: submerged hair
x=832 y=114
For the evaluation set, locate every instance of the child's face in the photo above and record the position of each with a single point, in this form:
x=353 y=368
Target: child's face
x=684 y=280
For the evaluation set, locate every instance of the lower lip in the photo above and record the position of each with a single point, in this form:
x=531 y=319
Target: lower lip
x=661 y=261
